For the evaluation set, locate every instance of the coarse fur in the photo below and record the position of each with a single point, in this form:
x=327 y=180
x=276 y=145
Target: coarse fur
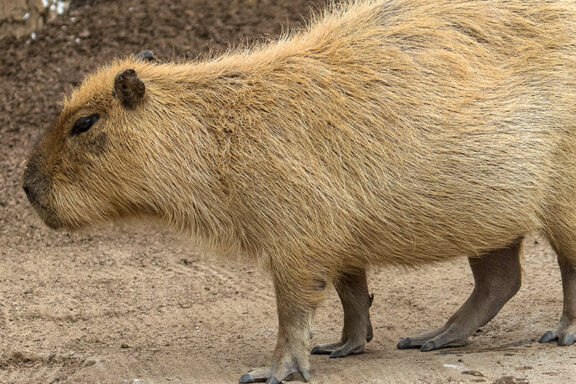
x=386 y=132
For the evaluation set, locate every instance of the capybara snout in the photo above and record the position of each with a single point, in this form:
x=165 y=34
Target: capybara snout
x=33 y=180
x=37 y=187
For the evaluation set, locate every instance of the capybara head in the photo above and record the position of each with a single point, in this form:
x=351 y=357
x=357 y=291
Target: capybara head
x=79 y=171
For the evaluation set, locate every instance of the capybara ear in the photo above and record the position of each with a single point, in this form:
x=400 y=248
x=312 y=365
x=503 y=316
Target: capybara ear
x=146 y=56
x=128 y=87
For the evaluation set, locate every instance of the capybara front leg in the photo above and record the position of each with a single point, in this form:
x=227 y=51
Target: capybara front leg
x=565 y=334
x=497 y=278
x=297 y=295
x=352 y=288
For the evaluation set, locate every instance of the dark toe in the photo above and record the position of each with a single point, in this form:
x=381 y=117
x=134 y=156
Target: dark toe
x=338 y=354
x=405 y=343
x=428 y=346
x=347 y=350
x=548 y=337
x=248 y=378
x=319 y=350
x=567 y=339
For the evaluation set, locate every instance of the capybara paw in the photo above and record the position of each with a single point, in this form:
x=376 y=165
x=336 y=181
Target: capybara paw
x=430 y=345
x=566 y=339
x=564 y=336
x=272 y=375
x=256 y=376
x=549 y=337
x=407 y=343
x=563 y=339
x=324 y=349
x=443 y=340
x=341 y=349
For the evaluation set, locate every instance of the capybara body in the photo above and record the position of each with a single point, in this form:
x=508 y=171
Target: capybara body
x=387 y=132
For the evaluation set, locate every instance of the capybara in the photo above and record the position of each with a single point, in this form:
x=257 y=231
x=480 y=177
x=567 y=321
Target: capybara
x=395 y=132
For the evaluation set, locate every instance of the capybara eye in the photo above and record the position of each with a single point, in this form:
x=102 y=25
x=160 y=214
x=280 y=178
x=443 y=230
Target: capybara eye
x=83 y=124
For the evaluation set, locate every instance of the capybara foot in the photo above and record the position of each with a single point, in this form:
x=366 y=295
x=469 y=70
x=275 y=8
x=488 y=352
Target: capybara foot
x=564 y=336
x=349 y=345
x=497 y=276
x=340 y=349
x=407 y=343
x=276 y=373
x=442 y=340
x=420 y=340
x=256 y=375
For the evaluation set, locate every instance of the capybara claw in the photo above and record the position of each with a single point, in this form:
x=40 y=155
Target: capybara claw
x=428 y=346
x=548 y=337
x=276 y=373
x=405 y=343
x=247 y=378
x=338 y=350
x=339 y=353
x=320 y=350
x=255 y=376
x=566 y=339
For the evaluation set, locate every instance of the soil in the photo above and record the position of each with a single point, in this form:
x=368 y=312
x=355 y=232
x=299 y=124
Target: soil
x=130 y=303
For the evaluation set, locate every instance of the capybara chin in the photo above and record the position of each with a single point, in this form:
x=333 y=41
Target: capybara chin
x=387 y=132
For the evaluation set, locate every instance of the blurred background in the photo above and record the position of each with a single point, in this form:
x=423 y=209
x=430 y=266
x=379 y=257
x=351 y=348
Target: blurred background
x=22 y=17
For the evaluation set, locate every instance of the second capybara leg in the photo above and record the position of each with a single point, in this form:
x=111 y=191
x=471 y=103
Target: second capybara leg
x=298 y=293
x=497 y=278
x=352 y=288
x=565 y=247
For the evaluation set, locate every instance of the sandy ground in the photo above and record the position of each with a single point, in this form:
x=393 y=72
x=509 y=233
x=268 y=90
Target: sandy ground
x=130 y=303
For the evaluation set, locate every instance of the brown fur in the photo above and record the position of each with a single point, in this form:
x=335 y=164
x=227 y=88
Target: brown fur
x=387 y=132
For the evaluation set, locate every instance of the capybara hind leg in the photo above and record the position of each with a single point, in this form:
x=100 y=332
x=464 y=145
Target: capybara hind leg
x=352 y=288
x=497 y=278
x=565 y=334
x=297 y=295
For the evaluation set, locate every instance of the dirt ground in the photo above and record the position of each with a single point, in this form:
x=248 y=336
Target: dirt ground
x=129 y=303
